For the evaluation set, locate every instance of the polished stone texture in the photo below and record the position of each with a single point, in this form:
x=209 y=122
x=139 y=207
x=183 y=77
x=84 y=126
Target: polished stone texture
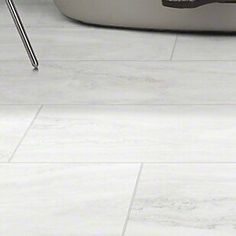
x=88 y=200
x=119 y=133
x=131 y=134
x=194 y=200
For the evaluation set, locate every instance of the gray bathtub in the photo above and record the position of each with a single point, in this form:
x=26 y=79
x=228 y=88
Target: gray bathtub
x=150 y=14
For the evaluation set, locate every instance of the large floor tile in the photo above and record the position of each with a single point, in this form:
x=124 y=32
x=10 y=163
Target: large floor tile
x=89 y=43
x=14 y=121
x=205 y=47
x=194 y=200
x=118 y=83
x=131 y=134
x=65 y=200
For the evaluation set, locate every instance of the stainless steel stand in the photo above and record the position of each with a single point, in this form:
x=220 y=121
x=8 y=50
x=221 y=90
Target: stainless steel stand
x=22 y=32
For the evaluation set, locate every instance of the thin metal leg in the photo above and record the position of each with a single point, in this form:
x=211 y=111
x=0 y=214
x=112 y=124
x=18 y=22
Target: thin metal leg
x=22 y=32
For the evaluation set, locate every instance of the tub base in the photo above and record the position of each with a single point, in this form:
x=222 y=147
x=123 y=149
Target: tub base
x=150 y=14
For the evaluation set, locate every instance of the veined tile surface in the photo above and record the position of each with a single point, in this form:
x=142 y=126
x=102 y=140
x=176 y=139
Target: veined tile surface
x=174 y=200
x=88 y=200
x=118 y=83
x=14 y=121
x=131 y=134
x=88 y=65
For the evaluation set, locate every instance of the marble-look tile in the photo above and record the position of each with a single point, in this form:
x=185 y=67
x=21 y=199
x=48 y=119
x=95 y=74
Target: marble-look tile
x=118 y=83
x=63 y=200
x=88 y=43
x=14 y=121
x=194 y=200
x=205 y=47
x=131 y=134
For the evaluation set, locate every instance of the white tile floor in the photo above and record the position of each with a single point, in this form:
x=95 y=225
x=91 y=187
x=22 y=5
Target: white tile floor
x=109 y=142
x=131 y=134
x=185 y=200
x=65 y=199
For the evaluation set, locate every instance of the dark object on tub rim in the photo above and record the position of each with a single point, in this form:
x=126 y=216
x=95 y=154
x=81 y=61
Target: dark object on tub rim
x=185 y=4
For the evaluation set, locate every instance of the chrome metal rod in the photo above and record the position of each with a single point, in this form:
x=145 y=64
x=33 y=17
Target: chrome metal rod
x=22 y=33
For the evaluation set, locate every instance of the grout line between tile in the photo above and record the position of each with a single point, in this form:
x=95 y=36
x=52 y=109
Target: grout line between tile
x=119 y=60
x=120 y=163
x=173 y=50
x=26 y=132
x=132 y=200
x=89 y=60
x=122 y=104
